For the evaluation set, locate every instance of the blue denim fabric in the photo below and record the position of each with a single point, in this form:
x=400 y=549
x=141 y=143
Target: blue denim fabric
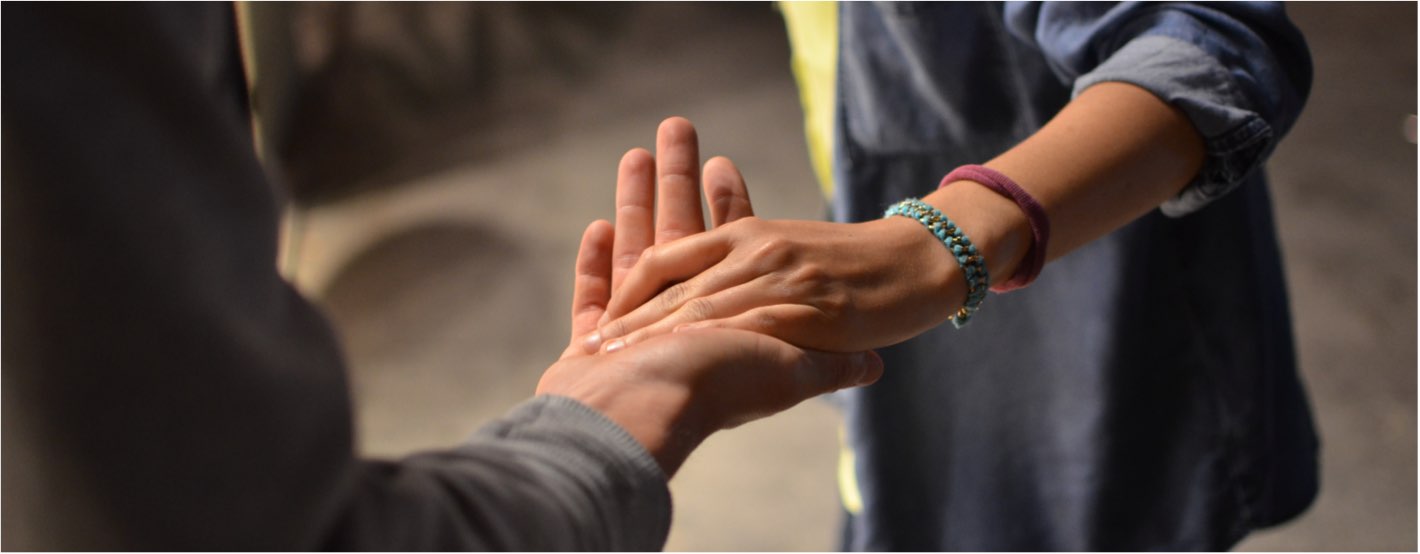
x=1143 y=393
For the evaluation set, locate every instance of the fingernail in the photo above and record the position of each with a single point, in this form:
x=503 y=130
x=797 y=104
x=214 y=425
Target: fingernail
x=615 y=345
x=593 y=341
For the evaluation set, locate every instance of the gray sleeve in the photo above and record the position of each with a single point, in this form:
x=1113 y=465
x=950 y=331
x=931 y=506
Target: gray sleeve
x=165 y=389
x=1240 y=71
x=550 y=475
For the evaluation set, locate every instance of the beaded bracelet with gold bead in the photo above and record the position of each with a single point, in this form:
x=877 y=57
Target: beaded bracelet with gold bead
x=960 y=247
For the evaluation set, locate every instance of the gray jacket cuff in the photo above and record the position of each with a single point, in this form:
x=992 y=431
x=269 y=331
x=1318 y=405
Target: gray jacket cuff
x=632 y=491
x=1236 y=138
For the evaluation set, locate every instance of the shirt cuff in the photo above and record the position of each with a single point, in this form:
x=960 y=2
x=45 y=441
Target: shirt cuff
x=1236 y=139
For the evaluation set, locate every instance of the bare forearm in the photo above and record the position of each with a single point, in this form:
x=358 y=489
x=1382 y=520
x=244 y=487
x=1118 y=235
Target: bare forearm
x=1108 y=157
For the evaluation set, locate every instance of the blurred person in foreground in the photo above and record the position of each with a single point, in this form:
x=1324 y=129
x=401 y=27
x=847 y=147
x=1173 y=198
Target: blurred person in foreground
x=165 y=389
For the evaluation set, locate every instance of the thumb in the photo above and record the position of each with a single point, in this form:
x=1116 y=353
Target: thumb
x=824 y=372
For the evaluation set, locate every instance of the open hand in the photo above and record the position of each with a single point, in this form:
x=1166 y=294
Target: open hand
x=673 y=391
x=607 y=254
x=829 y=286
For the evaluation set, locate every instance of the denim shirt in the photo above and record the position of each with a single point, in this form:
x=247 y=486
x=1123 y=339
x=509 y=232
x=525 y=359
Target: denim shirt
x=1143 y=393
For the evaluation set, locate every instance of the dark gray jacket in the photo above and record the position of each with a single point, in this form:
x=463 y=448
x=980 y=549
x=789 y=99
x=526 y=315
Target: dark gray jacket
x=165 y=389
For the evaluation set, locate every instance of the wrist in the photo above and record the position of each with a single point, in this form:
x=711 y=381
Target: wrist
x=657 y=414
x=998 y=228
x=658 y=419
x=937 y=282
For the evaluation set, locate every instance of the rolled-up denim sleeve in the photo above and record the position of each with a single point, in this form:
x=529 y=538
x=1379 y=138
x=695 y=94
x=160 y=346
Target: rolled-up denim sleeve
x=1239 y=71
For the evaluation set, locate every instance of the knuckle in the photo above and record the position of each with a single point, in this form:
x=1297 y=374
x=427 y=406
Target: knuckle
x=748 y=225
x=720 y=203
x=834 y=302
x=678 y=174
x=771 y=252
x=672 y=297
x=649 y=255
x=615 y=329
x=585 y=309
x=811 y=273
x=633 y=213
x=832 y=306
x=765 y=320
x=673 y=231
x=815 y=374
x=626 y=260
x=699 y=309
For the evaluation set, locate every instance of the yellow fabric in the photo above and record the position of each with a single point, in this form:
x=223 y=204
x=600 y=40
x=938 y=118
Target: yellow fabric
x=813 y=38
x=848 y=476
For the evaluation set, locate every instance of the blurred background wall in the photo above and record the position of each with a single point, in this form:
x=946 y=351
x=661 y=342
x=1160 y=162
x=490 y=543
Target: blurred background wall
x=444 y=159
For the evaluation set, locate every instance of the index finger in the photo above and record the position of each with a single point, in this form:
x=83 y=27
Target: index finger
x=725 y=191
x=591 y=284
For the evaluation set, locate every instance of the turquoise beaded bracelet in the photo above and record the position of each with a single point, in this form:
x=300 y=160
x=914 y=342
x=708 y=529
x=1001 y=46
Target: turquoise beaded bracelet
x=958 y=245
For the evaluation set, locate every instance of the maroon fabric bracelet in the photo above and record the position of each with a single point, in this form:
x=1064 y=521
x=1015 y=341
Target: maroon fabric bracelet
x=1039 y=224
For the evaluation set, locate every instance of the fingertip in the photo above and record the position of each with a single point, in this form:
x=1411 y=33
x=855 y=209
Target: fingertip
x=594 y=253
x=852 y=370
x=872 y=365
x=599 y=229
x=725 y=191
x=636 y=158
x=592 y=342
x=722 y=163
x=676 y=131
x=721 y=178
x=676 y=126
